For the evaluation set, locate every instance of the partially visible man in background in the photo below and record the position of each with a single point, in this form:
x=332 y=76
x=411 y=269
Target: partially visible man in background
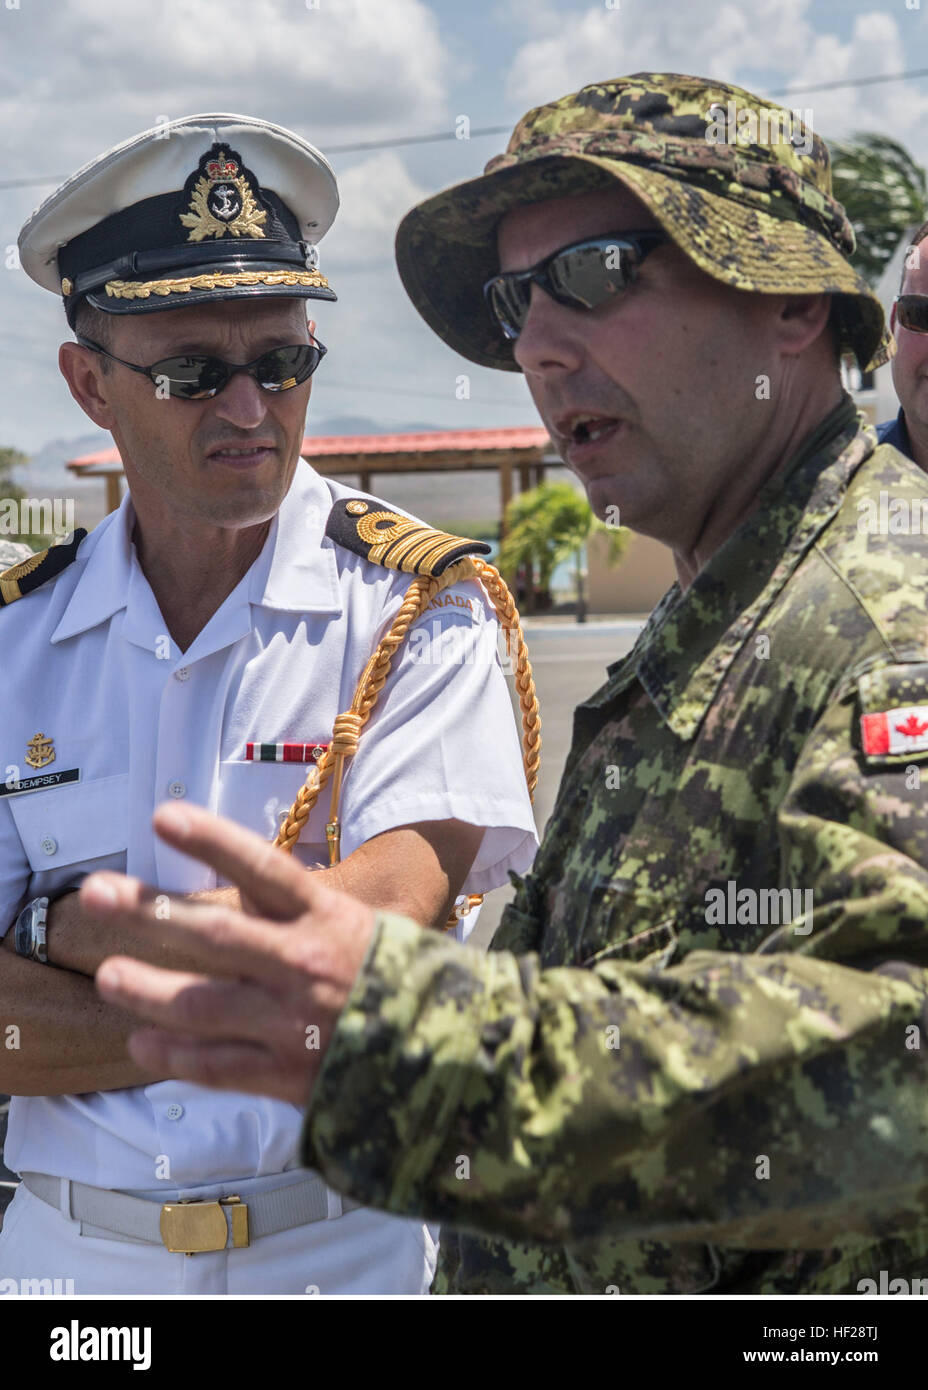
x=908 y=432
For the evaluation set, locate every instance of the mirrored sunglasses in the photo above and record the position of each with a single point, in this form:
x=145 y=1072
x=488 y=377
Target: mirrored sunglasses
x=912 y=312
x=582 y=276
x=196 y=376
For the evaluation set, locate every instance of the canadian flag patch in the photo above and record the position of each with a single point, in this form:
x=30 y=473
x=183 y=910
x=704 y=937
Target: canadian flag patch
x=903 y=730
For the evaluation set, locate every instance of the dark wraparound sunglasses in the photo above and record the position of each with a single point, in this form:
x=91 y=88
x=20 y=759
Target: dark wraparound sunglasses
x=196 y=377
x=582 y=275
x=912 y=312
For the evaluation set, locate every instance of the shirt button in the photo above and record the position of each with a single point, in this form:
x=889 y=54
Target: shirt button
x=177 y=789
x=49 y=845
x=174 y=1112
x=182 y=673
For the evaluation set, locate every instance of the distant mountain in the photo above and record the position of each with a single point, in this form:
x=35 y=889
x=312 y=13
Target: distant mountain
x=46 y=469
x=45 y=475
x=359 y=424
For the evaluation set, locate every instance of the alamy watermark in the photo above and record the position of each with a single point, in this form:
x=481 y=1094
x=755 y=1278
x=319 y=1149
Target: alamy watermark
x=734 y=906
x=767 y=125
x=43 y=1288
x=432 y=643
x=36 y=516
x=892 y=516
x=911 y=1288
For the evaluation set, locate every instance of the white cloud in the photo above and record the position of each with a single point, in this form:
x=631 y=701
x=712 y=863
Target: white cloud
x=349 y=68
x=728 y=42
x=592 y=43
x=77 y=76
x=880 y=43
x=374 y=196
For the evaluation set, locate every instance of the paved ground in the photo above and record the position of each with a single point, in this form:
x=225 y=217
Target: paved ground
x=569 y=661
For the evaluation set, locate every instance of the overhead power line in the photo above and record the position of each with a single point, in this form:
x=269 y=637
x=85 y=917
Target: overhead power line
x=852 y=82
x=397 y=141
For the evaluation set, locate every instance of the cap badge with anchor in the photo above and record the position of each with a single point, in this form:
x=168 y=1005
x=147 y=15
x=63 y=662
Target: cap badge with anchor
x=221 y=199
x=198 y=210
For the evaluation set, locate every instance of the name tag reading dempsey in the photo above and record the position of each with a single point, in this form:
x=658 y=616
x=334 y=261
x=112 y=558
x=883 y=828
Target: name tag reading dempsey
x=40 y=751
x=16 y=786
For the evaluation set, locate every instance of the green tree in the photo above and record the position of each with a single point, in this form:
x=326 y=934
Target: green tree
x=884 y=191
x=548 y=525
x=11 y=459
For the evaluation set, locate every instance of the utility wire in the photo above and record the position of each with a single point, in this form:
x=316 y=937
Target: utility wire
x=397 y=141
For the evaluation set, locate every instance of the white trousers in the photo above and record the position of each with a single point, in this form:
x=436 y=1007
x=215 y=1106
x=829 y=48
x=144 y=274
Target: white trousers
x=362 y=1252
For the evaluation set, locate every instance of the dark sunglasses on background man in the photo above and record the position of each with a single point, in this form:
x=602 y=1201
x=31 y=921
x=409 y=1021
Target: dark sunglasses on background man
x=583 y=276
x=196 y=376
x=912 y=312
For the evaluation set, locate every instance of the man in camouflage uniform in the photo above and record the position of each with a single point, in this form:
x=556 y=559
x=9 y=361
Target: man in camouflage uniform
x=692 y=1061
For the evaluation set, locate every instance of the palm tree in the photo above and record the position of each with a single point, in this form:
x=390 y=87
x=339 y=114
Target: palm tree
x=548 y=525
x=884 y=193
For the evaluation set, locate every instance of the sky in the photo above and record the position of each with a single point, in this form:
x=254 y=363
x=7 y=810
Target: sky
x=79 y=76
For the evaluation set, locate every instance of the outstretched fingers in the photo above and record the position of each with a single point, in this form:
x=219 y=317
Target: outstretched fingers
x=195 y=1005
x=219 y=940
x=278 y=887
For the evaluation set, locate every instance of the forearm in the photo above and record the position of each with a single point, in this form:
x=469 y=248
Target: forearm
x=57 y=1037
x=68 y=1041
x=416 y=871
x=78 y=941
x=555 y=1105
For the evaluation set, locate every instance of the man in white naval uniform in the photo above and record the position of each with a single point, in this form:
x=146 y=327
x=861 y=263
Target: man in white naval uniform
x=198 y=645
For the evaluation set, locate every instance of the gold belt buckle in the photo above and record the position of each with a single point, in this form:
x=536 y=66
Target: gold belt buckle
x=195 y=1227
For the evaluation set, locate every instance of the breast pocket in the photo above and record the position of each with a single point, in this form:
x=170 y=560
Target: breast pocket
x=620 y=921
x=75 y=827
x=259 y=795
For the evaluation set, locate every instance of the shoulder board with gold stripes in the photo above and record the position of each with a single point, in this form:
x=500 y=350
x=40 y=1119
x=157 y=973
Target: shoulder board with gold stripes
x=386 y=538
x=21 y=579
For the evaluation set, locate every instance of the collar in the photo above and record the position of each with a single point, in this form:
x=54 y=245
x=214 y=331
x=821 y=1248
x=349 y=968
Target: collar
x=106 y=560
x=296 y=571
x=691 y=639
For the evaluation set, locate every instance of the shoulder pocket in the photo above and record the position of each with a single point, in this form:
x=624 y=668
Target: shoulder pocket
x=74 y=824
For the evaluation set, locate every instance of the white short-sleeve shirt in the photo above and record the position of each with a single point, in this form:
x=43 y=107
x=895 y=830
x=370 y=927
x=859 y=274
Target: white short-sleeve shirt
x=134 y=722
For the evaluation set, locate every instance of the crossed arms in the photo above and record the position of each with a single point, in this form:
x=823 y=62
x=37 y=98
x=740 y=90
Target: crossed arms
x=73 y=1042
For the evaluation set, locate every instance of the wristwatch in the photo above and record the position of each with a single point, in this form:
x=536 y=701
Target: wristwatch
x=30 y=931
x=29 y=940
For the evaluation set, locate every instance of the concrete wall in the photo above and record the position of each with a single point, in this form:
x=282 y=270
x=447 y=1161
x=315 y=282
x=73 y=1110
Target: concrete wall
x=645 y=572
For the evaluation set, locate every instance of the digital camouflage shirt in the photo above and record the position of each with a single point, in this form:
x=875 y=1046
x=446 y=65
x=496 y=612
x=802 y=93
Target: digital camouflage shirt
x=694 y=1059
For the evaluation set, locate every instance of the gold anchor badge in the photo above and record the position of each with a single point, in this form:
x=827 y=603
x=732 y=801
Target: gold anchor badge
x=40 y=751
x=222 y=200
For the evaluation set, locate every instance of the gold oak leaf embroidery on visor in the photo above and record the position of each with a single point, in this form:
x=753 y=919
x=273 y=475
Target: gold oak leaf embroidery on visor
x=143 y=289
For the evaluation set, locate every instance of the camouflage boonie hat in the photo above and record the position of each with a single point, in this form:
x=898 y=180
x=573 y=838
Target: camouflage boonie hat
x=753 y=209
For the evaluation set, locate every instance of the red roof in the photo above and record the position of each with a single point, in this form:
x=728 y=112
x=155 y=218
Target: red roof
x=89 y=460
x=430 y=441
